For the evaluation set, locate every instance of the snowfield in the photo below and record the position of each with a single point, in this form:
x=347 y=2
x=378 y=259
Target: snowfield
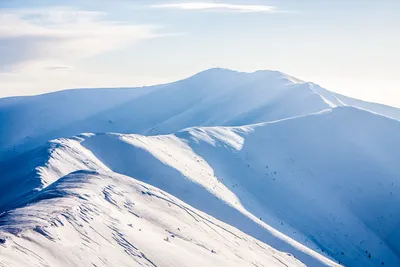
x=221 y=169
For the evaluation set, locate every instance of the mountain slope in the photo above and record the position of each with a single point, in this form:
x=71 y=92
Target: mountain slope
x=327 y=180
x=92 y=219
x=25 y=118
x=70 y=156
x=215 y=97
x=321 y=179
x=341 y=100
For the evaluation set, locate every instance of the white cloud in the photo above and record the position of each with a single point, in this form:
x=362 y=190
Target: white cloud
x=53 y=37
x=219 y=7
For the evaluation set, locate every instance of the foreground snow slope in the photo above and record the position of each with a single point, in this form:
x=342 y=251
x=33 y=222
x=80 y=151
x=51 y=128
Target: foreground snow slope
x=92 y=219
x=58 y=158
x=216 y=97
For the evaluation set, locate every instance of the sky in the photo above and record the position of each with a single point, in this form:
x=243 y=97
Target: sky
x=349 y=47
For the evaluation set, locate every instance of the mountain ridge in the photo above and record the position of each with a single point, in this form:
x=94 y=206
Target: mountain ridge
x=216 y=97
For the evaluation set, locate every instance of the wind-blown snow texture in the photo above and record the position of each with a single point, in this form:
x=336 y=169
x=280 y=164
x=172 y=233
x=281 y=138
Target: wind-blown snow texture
x=112 y=220
x=303 y=170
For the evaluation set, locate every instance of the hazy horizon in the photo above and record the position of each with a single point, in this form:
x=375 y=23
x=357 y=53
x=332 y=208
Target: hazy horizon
x=346 y=47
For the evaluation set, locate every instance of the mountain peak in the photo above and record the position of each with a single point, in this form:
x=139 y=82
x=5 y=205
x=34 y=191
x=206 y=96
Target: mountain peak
x=215 y=72
x=258 y=74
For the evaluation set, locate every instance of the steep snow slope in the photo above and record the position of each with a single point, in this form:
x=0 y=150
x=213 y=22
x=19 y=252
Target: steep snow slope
x=92 y=219
x=215 y=97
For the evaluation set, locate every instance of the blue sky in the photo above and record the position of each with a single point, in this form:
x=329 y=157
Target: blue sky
x=350 y=47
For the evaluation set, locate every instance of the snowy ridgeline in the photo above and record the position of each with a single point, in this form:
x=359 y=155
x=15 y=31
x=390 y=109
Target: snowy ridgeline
x=216 y=97
x=313 y=174
x=92 y=219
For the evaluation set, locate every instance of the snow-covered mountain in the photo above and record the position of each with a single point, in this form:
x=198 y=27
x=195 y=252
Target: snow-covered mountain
x=287 y=167
x=216 y=97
